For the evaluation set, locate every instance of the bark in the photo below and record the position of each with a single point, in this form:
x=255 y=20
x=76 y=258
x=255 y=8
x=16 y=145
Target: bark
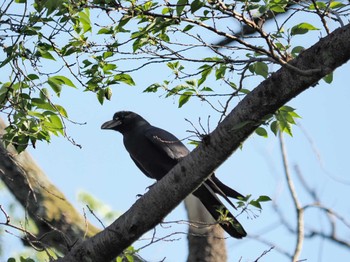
x=309 y=67
x=59 y=225
x=206 y=243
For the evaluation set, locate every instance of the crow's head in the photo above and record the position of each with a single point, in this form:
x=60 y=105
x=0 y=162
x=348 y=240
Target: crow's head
x=124 y=121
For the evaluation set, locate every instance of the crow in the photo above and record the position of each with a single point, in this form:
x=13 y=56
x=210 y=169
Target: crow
x=156 y=151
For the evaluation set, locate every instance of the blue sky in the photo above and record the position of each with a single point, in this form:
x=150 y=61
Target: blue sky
x=103 y=168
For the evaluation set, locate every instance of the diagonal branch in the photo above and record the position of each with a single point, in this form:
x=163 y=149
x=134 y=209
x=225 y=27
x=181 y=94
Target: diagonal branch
x=325 y=56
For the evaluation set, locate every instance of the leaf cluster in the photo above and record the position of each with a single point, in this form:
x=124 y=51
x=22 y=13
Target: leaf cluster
x=96 y=45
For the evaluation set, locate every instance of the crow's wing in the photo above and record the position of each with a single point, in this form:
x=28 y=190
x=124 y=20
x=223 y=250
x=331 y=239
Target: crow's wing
x=167 y=143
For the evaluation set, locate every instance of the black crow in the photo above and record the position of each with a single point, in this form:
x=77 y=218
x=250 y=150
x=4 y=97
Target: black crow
x=156 y=151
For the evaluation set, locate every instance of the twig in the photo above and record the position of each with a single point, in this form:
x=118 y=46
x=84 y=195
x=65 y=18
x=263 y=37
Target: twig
x=298 y=207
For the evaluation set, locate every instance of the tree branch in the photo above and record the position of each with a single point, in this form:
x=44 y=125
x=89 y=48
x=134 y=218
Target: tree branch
x=326 y=55
x=59 y=224
x=299 y=209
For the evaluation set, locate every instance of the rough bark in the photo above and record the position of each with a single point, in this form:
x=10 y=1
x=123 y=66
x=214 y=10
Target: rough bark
x=59 y=224
x=206 y=243
x=309 y=67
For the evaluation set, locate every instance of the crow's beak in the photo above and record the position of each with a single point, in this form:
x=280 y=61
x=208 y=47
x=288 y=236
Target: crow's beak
x=111 y=124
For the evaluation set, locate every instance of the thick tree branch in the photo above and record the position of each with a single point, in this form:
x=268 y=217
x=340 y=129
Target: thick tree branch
x=325 y=56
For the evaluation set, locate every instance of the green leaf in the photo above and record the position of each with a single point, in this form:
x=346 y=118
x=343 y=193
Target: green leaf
x=207 y=89
x=29 y=30
x=55 y=85
x=44 y=93
x=196 y=5
x=278 y=6
x=45 y=54
x=220 y=72
x=166 y=10
x=109 y=67
x=180 y=6
x=152 y=88
x=64 y=80
x=84 y=19
x=264 y=199
x=125 y=78
x=33 y=76
x=174 y=65
x=297 y=50
x=192 y=82
x=101 y=96
x=184 y=98
x=187 y=28
x=260 y=68
x=129 y=258
x=328 y=78
x=334 y=5
x=107 y=54
x=277 y=9
x=42 y=104
x=261 y=132
x=255 y=204
x=274 y=127
x=108 y=93
x=207 y=69
x=52 y=6
x=302 y=28
x=61 y=110
x=319 y=4
x=7 y=60
x=54 y=123
x=105 y=31
x=140 y=42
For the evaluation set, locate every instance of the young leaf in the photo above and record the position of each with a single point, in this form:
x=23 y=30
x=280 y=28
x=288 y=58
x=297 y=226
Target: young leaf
x=328 y=78
x=207 y=69
x=302 y=28
x=184 y=98
x=180 y=6
x=100 y=96
x=108 y=93
x=187 y=28
x=64 y=80
x=196 y=5
x=125 y=78
x=264 y=199
x=84 y=19
x=55 y=85
x=152 y=88
x=261 y=132
x=260 y=68
x=33 y=76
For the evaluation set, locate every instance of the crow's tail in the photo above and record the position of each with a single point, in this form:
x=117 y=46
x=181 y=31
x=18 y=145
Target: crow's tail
x=219 y=212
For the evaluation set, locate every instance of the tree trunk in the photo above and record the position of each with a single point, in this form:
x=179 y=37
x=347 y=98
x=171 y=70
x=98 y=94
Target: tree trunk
x=206 y=242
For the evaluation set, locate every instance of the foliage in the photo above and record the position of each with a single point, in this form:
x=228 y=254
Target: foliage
x=49 y=46
x=247 y=201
